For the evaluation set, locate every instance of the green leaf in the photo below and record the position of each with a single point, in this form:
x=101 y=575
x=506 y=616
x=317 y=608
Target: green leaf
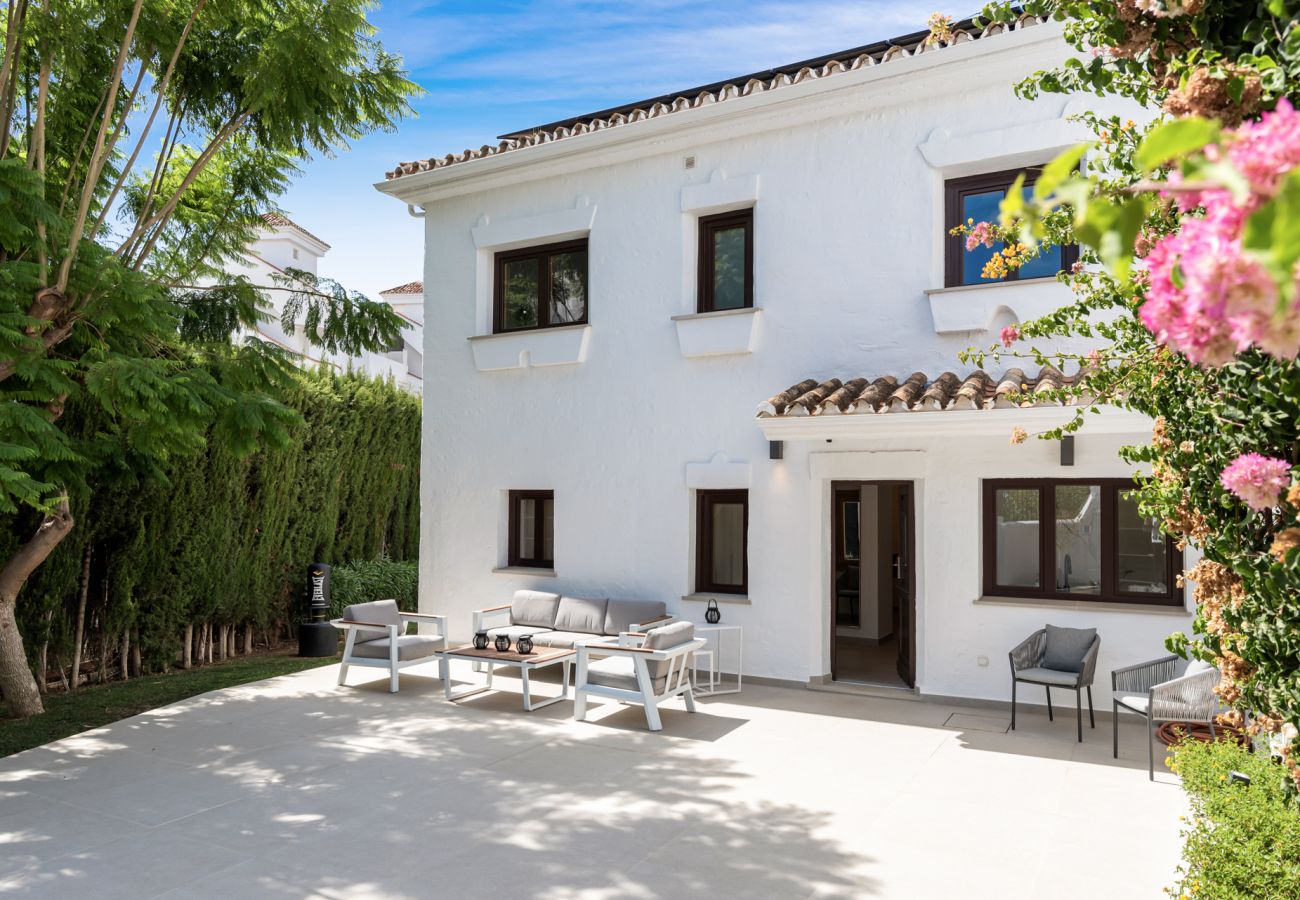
x=1058 y=170
x=1174 y=139
x=1273 y=231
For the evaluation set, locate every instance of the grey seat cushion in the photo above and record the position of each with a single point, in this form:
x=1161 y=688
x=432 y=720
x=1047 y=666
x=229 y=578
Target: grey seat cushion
x=620 y=615
x=578 y=614
x=665 y=638
x=1135 y=702
x=515 y=632
x=565 y=640
x=1049 y=676
x=1197 y=665
x=409 y=646
x=534 y=608
x=377 y=612
x=1066 y=648
x=619 y=672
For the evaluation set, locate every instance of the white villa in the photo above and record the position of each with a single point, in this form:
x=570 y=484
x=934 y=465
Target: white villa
x=283 y=244
x=704 y=347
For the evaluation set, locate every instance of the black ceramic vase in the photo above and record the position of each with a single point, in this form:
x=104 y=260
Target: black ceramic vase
x=503 y=643
x=480 y=640
x=524 y=644
x=713 y=615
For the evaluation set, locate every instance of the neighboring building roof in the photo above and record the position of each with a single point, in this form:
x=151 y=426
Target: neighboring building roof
x=742 y=86
x=279 y=220
x=411 y=287
x=917 y=393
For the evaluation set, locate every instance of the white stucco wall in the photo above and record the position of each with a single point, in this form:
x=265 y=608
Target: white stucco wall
x=846 y=179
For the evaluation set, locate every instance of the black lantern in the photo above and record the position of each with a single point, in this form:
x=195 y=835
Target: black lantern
x=713 y=615
x=503 y=643
x=481 y=640
x=524 y=644
x=317 y=637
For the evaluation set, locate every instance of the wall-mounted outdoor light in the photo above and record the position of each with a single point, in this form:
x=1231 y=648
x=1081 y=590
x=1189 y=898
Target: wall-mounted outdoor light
x=1067 y=450
x=776 y=450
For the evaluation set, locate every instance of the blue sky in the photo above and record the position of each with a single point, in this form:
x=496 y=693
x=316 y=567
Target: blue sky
x=494 y=66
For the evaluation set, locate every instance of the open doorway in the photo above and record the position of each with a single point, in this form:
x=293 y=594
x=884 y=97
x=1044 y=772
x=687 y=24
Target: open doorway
x=873 y=608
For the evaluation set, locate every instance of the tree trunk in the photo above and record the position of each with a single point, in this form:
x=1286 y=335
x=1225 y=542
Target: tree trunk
x=80 y=635
x=22 y=698
x=43 y=661
x=221 y=641
x=189 y=646
x=248 y=639
x=137 y=663
x=230 y=638
x=207 y=642
x=126 y=652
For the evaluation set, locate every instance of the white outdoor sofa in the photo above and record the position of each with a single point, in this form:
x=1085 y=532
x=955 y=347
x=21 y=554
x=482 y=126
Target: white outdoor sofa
x=377 y=638
x=646 y=668
x=562 y=622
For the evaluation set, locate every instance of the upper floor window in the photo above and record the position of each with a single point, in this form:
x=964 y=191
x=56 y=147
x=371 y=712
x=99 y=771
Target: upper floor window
x=721 y=536
x=532 y=529
x=726 y=261
x=976 y=199
x=1075 y=540
x=541 y=287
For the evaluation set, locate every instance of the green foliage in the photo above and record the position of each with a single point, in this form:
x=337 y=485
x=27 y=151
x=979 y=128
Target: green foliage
x=1240 y=841
x=375 y=579
x=224 y=536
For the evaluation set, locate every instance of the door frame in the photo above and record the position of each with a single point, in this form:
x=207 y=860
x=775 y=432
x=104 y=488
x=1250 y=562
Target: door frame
x=907 y=627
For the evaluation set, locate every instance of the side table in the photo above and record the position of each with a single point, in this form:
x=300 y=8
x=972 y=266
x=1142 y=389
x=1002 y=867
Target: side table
x=713 y=684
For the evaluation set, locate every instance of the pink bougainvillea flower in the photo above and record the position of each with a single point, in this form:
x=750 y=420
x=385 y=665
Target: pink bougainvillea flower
x=1256 y=479
x=983 y=233
x=1265 y=150
x=1010 y=335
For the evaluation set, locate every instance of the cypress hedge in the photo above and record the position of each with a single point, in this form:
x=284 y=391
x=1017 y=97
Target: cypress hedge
x=208 y=557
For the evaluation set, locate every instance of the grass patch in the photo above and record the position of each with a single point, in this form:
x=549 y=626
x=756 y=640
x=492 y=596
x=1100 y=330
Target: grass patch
x=91 y=707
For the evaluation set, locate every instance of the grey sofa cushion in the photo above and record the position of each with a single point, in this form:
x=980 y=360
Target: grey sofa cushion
x=665 y=638
x=577 y=614
x=1049 y=676
x=409 y=646
x=534 y=608
x=377 y=612
x=1066 y=648
x=620 y=614
x=619 y=672
x=564 y=640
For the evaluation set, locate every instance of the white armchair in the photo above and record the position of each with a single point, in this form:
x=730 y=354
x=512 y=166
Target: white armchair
x=643 y=667
x=1152 y=690
x=377 y=638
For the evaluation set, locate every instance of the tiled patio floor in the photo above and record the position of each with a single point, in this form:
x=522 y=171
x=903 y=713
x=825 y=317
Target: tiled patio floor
x=296 y=788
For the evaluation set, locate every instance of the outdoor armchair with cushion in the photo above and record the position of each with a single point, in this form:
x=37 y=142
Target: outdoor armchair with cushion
x=1155 y=690
x=646 y=668
x=377 y=638
x=1057 y=657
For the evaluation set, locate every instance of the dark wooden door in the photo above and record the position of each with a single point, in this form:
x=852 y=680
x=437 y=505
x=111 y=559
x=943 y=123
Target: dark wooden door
x=903 y=576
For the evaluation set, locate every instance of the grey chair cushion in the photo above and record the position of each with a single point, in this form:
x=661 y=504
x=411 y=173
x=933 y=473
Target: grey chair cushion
x=1049 y=676
x=515 y=632
x=564 y=640
x=409 y=646
x=577 y=614
x=377 y=612
x=534 y=608
x=621 y=614
x=1135 y=702
x=1197 y=665
x=1066 y=648
x=619 y=672
x=663 y=638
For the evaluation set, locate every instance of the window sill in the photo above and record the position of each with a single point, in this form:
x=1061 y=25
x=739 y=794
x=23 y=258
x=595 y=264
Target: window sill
x=562 y=345
x=720 y=333
x=975 y=307
x=740 y=599
x=1084 y=605
x=523 y=570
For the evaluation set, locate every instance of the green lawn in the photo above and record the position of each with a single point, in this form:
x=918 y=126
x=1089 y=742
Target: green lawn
x=67 y=714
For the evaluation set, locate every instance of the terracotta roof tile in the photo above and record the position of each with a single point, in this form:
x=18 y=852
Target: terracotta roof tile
x=279 y=220
x=411 y=287
x=885 y=52
x=918 y=393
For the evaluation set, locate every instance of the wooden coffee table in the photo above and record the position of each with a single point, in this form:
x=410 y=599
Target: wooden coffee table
x=525 y=663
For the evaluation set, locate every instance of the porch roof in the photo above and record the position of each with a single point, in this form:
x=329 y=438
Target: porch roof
x=919 y=393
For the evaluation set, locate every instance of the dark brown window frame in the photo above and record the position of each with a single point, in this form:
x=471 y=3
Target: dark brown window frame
x=542 y=253
x=704 y=500
x=954 y=245
x=1111 y=488
x=513 y=518
x=708 y=226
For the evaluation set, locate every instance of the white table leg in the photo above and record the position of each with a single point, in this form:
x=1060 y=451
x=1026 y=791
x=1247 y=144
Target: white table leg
x=467 y=692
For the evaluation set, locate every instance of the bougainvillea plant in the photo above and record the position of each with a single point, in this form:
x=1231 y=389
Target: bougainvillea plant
x=1189 y=287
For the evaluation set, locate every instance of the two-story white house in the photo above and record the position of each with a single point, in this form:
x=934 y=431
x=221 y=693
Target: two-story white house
x=705 y=347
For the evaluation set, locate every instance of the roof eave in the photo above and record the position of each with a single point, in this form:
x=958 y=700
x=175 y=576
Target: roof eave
x=960 y=422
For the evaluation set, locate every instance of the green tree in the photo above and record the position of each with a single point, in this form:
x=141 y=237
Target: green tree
x=140 y=141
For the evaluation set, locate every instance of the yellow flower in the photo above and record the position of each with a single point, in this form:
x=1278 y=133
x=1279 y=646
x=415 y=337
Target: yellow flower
x=1018 y=435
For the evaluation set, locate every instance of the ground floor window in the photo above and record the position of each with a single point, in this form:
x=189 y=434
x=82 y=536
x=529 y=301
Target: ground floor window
x=532 y=529
x=1076 y=539
x=722 y=560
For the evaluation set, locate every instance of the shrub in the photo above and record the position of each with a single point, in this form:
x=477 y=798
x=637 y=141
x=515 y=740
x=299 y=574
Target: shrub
x=1240 y=841
x=374 y=579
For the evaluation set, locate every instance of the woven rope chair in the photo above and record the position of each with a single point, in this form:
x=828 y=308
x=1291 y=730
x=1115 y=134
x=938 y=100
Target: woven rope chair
x=1155 y=690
